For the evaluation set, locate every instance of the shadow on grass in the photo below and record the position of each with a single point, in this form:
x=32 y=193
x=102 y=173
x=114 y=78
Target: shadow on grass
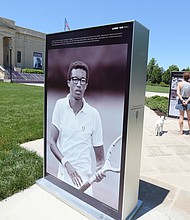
x=151 y=196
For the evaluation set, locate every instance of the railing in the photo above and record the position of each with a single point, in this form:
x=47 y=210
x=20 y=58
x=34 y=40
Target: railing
x=20 y=77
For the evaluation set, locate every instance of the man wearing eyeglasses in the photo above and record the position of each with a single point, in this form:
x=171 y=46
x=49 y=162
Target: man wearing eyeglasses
x=76 y=128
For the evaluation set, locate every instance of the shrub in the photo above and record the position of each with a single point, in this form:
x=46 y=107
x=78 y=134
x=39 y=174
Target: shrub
x=163 y=84
x=37 y=71
x=157 y=103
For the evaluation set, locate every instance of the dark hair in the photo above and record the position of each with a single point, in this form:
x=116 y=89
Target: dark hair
x=186 y=76
x=78 y=65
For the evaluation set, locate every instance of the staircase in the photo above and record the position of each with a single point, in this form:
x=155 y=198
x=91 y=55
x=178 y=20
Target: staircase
x=19 y=77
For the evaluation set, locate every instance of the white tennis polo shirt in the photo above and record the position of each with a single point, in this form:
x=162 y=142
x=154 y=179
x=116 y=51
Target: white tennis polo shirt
x=77 y=134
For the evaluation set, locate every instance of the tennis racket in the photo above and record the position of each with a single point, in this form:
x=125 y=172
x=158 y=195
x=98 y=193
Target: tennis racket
x=107 y=165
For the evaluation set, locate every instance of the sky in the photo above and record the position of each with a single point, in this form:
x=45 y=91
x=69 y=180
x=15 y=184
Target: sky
x=167 y=20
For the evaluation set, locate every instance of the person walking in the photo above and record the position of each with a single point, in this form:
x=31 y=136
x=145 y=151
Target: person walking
x=183 y=104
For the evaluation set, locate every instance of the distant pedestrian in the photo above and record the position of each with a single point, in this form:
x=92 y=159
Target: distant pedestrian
x=183 y=104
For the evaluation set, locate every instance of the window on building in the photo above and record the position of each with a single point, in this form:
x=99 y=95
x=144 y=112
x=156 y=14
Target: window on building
x=18 y=56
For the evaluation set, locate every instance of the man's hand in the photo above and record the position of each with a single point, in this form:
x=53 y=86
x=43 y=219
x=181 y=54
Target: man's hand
x=99 y=174
x=100 y=160
x=76 y=178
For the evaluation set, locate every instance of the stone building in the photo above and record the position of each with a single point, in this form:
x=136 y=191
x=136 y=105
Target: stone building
x=20 y=47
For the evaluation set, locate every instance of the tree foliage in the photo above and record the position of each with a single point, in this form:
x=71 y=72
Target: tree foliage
x=150 y=67
x=187 y=69
x=166 y=74
x=154 y=72
x=157 y=75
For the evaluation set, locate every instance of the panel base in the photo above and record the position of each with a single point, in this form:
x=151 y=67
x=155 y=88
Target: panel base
x=82 y=207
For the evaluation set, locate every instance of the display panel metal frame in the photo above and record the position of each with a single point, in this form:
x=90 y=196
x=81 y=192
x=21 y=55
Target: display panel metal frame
x=175 y=78
x=118 y=53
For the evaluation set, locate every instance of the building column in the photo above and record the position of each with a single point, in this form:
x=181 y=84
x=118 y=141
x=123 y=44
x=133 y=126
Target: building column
x=13 y=51
x=1 y=50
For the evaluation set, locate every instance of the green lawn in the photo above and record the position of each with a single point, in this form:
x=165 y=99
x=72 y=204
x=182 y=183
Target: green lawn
x=21 y=120
x=157 y=89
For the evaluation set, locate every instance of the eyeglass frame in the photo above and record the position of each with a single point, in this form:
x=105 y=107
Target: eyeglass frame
x=77 y=80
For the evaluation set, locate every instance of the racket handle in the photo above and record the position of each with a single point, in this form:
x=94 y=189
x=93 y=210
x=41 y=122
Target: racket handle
x=86 y=185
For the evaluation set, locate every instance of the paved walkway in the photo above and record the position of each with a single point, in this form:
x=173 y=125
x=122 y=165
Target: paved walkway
x=165 y=171
x=164 y=180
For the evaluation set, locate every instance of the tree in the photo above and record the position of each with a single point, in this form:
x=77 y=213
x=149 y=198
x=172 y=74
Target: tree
x=166 y=74
x=154 y=72
x=150 y=68
x=156 y=76
x=187 y=69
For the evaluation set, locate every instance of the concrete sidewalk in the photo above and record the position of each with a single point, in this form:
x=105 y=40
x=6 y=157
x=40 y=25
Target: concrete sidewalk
x=165 y=171
x=164 y=180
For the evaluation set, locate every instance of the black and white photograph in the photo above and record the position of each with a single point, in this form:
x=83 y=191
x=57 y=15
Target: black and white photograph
x=87 y=131
x=85 y=98
x=37 y=60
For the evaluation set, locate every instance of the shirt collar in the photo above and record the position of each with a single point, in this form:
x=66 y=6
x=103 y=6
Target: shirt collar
x=84 y=108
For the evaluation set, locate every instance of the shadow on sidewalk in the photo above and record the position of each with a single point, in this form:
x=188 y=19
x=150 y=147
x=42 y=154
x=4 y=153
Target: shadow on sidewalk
x=151 y=196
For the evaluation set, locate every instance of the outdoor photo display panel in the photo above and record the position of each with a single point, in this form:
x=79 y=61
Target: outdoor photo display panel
x=37 y=60
x=107 y=52
x=176 y=77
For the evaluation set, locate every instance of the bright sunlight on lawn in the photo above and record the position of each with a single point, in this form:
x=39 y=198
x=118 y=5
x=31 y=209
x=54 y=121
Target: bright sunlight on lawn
x=21 y=120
